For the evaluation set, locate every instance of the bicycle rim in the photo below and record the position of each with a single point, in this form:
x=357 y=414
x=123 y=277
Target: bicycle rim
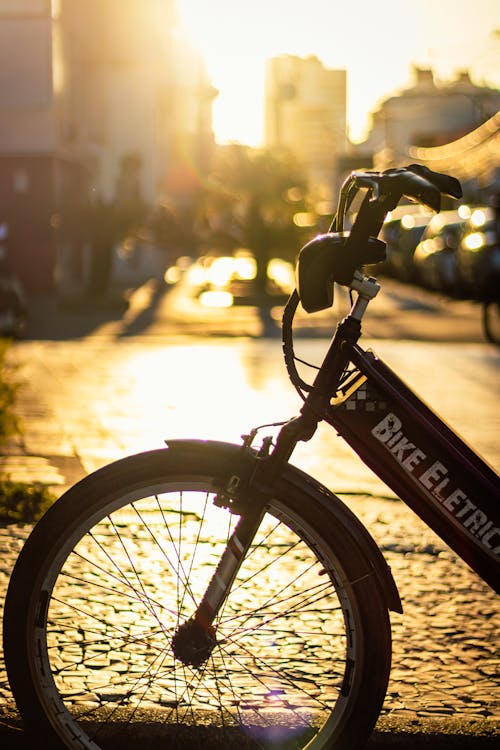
x=112 y=597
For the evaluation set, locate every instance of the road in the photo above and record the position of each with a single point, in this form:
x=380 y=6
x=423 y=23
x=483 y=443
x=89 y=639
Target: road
x=398 y=312
x=162 y=363
x=98 y=386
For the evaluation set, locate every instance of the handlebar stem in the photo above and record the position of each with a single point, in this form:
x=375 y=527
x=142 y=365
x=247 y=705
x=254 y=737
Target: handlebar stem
x=367 y=288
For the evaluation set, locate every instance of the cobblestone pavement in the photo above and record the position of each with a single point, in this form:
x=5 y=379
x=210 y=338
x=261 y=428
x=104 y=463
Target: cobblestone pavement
x=445 y=668
x=444 y=681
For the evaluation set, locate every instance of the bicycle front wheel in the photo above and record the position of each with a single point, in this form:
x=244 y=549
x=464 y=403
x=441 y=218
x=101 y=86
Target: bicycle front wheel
x=302 y=648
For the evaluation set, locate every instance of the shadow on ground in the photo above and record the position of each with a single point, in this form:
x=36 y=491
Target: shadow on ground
x=52 y=319
x=472 y=736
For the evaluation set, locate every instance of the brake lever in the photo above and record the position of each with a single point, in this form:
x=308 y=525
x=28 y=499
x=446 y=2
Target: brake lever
x=385 y=189
x=370 y=181
x=420 y=183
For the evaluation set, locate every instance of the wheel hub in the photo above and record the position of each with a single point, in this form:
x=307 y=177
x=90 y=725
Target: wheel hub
x=193 y=643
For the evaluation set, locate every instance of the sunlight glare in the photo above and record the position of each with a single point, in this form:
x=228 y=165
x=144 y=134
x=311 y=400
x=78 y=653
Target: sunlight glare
x=408 y=221
x=474 y=241
x=478 y=218
x=282 y=273
x=216 y=299
x=236 y=39
x=245 y=267
x=196 y=390
x=172 y=275
x=220 y=271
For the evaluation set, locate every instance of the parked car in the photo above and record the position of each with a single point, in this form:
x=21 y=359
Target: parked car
x=401 y=232
x=231 y=280
x=435 y=256
x=478 y=254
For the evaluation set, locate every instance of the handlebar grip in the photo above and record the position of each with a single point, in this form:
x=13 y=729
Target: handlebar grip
x=414 y=185
x=333 y=257
x=443 y=182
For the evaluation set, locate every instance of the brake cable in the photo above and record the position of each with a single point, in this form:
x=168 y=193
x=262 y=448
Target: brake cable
x=421 y=184
x=348 y=192
x=287 y=343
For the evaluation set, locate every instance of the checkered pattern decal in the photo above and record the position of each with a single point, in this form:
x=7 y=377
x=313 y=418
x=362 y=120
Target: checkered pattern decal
x=365 y=399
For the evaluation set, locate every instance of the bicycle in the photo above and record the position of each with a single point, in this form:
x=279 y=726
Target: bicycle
x=213 y=594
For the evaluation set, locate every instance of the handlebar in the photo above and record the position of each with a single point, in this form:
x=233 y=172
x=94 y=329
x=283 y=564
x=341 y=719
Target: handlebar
x=336 y=255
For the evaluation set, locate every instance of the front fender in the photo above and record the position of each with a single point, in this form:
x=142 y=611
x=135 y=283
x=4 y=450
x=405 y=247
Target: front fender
x=242 y=461
x=351 y=522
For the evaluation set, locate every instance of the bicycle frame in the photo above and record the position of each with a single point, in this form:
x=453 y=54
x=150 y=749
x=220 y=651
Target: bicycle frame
x=400 y=438
x=422 y=460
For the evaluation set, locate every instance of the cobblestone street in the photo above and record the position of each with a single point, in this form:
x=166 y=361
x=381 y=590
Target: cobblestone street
x=445 y=645
x=87 y=402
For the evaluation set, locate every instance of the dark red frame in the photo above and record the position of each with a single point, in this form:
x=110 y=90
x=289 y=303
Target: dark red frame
x=423 y=461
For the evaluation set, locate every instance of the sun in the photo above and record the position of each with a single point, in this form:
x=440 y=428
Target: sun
x=236 y=38
x=235 y=66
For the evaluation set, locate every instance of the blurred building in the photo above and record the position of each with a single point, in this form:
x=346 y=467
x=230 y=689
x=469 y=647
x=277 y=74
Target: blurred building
x=474 y=159
x=428 y=115
x=92 y=93
x=306 y=113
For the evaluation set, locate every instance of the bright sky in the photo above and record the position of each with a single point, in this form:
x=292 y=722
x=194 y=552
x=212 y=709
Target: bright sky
x=376 y=41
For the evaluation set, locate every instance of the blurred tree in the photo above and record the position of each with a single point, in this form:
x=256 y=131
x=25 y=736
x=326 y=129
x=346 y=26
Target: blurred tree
x=253 y=203
x=109 y=222
x=102 y=231
x=174 y=229
x=130 y=207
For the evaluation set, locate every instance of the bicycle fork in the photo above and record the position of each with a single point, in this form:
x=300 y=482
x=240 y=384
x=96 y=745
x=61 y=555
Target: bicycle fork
x=195 y=639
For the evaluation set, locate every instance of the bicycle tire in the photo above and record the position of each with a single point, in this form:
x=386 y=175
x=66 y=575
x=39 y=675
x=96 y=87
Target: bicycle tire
x=491 y=321
x=303 y=644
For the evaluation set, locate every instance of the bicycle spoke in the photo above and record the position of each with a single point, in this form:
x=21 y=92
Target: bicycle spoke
x=136 y=576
